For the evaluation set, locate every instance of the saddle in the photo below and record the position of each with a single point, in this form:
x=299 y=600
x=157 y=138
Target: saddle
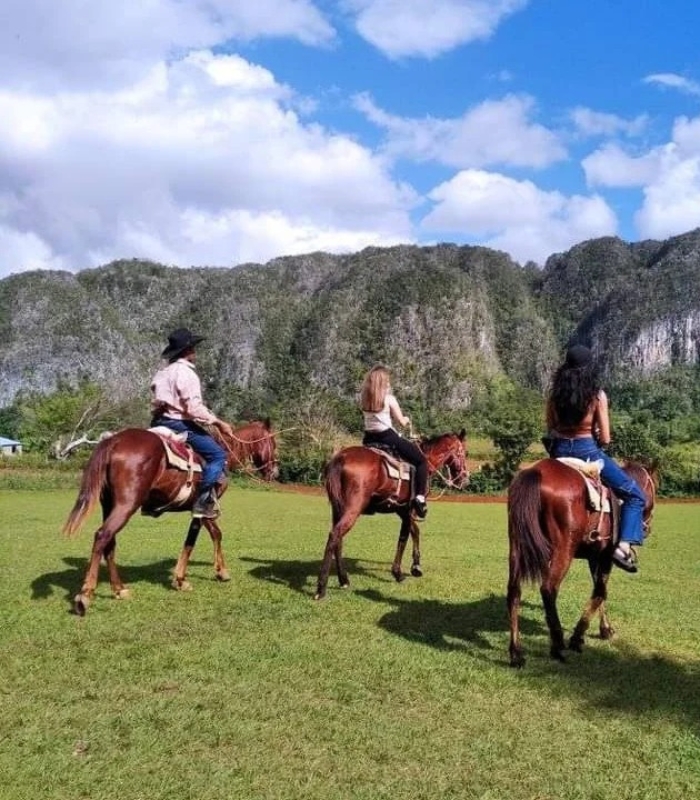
x=601 y=499
x=396 y=470
x=180 y=456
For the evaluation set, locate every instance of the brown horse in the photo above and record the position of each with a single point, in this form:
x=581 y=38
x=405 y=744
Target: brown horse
x=357 y=482
x=550 y=523
x=130 y=470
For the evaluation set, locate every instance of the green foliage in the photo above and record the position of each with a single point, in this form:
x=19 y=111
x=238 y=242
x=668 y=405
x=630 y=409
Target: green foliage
x=514 y=423
x=10 y=421
x=48 y=422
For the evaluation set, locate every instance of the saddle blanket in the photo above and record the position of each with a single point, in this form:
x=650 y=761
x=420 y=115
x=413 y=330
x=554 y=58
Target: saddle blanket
x=590 y=470
x=179 y=454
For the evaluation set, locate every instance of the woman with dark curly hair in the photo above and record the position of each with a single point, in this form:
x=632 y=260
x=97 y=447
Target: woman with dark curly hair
x=579 y=427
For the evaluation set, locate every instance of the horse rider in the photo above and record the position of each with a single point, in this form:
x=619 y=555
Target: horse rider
x=177 y=404
x=380 y=408
x=578 y=424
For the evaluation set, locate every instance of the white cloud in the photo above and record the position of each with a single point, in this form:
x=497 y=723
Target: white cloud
x=516 y=216
x=495 y=132
x=597 y=123
x=672 y=81
x=427 y=29
x=611 y=166
x=207 y=143
x=672 y=199
x=101 y=43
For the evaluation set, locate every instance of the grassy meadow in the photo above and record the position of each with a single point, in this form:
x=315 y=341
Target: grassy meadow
x=251 y=689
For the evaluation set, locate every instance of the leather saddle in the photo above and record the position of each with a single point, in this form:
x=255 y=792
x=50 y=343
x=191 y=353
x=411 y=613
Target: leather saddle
x=397 y=470
x=601 y=500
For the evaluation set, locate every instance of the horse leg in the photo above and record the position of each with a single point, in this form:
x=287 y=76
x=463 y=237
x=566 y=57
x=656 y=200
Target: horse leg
x=404 y=532
x=222 y=574
x=549 y=591
x=517 y=659
x=596 y=604
x=179 y=580
x=416 y=569
x=105 y=534
x=341 y=525
x=119 y=590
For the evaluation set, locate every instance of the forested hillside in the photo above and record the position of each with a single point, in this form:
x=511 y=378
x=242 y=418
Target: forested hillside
x=460 y=327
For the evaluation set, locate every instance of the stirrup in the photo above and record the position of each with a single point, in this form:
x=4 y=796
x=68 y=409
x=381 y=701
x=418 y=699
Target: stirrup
x=626 y=561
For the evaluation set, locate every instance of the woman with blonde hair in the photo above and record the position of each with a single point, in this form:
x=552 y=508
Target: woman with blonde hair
x=381 y=409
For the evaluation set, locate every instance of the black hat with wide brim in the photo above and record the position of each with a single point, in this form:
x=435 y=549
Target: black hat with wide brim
x=180 y=340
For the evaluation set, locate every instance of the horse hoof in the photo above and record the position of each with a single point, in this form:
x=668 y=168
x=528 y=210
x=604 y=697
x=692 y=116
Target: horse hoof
x=181 y=586
x=80 y=604
x=576 y=645
x=517 y=660
x=416 y=571
x=606 y=633
x=398 y=576
x=558 y=655
x=123 y=594
x=223 y=575
x=320 y=596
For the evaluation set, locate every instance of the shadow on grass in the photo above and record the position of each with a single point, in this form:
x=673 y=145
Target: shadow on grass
x=608 y=676
x=70 y=580
x=301 y=576
x=451 y=626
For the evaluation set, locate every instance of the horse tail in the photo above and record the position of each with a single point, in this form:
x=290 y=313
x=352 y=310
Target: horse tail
x=530 y=550
x=91 y=487
x=332 y=475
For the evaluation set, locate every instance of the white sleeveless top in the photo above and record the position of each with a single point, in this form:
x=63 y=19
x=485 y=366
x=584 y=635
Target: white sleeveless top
x=377 y=421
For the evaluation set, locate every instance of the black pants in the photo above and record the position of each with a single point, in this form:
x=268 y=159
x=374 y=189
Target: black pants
x=406 y=450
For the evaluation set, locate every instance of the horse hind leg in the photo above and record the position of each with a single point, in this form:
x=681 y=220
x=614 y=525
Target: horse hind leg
x=119 y=589
x=342 y=523
x=517 y=658
x=104 y=537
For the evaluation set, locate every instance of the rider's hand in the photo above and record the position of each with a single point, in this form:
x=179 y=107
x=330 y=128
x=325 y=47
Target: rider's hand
x=225 y=427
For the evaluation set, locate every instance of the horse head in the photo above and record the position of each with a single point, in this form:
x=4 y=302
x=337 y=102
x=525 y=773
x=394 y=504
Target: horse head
x=447 y=452
x=646 y=473
x=264 y=452
x=253 y=448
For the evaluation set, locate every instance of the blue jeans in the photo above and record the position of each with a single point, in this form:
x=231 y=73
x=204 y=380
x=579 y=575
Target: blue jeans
x=202 y=443
x=612 y=475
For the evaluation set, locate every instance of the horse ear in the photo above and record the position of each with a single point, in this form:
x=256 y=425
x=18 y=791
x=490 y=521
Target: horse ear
x=268 y=423
x=462 y=434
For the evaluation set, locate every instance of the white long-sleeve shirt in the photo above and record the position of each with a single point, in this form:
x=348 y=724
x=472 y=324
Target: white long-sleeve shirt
x=178 y=388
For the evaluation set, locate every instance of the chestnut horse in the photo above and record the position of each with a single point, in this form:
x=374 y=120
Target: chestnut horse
x=550 y=523
x=129 y=470
x=357 y=482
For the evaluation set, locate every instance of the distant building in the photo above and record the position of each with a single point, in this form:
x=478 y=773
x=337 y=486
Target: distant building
x=9 y=447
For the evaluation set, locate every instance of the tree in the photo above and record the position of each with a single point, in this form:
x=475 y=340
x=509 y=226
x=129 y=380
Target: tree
x=60 y=422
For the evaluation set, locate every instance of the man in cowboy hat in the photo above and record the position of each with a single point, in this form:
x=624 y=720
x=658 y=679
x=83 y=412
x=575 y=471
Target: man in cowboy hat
x=177 y=404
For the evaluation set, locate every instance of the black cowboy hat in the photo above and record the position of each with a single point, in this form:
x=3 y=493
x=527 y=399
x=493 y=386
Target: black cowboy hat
x=180 y=340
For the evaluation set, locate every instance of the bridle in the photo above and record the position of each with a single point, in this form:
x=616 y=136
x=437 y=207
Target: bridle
x=457 y=453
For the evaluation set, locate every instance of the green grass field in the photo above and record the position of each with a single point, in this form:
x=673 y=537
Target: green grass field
x=250 y=689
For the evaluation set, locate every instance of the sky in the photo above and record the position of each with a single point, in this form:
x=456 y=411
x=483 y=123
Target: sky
x=221 y=132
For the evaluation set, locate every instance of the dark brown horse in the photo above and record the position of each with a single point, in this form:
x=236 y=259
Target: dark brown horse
x=129 y=471
x=550 y=523
x=357 y=483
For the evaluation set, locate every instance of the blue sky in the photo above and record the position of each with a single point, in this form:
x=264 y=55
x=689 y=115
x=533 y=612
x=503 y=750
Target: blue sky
x=218 y=132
